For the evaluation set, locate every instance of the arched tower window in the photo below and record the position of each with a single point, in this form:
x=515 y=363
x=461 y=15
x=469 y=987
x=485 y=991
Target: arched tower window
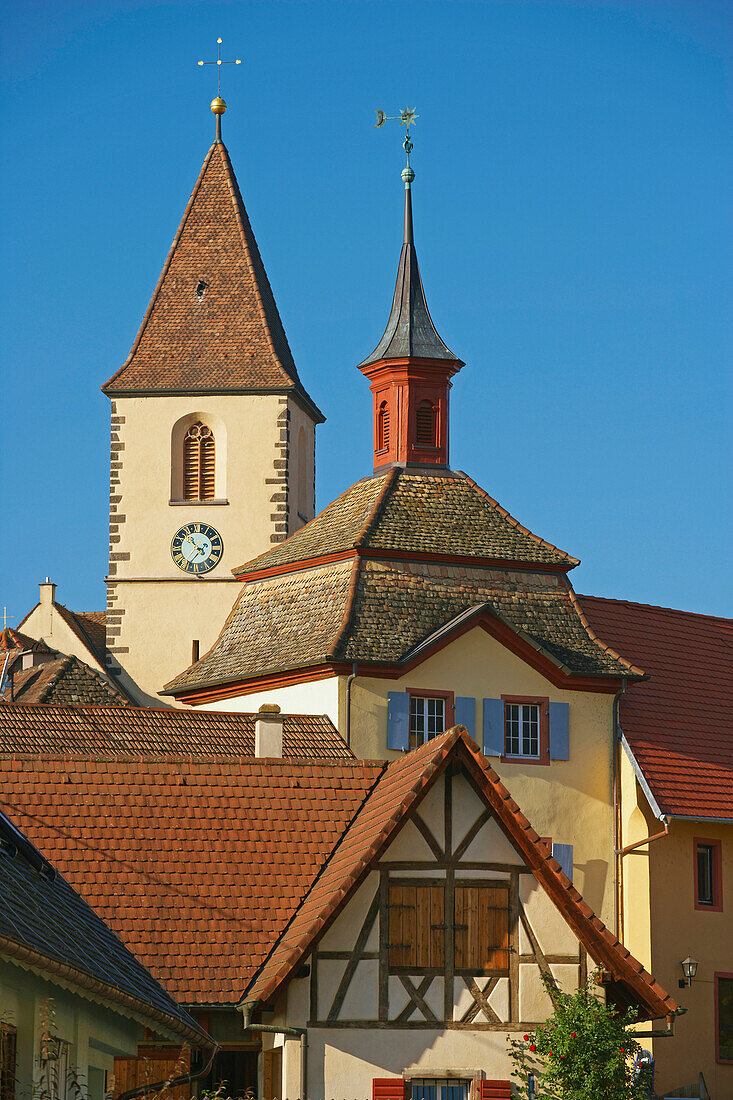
x=199 y=463
x=426 y=422
x=383 y=427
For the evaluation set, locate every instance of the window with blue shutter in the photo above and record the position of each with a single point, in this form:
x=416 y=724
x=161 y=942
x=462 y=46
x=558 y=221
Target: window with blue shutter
x=493 y=731
x=559 y=731
x=465 y=708
x=398 y=720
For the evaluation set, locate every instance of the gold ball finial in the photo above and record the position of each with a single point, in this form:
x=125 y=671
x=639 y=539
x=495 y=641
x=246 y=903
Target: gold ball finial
x=218 y=106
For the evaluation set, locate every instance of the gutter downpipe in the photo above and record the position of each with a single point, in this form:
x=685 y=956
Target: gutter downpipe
x=275 y=1029
x=616 y=811
x=169 y=1084
x=349 y=682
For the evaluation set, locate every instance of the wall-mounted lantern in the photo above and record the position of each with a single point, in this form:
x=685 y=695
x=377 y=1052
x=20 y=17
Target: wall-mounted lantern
x=689 y=969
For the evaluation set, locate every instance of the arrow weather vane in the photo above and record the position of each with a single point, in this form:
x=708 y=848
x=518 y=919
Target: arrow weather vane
x=219 y=64
x=407 y=118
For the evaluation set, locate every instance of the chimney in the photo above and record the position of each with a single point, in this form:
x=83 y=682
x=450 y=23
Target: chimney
x=47 y=598
x=269 y=731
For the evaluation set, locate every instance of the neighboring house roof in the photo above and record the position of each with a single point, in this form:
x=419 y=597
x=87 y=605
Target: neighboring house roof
x=203 y=865
x=197 y=862
x=89 y=626
x=431 y=513
x=65 y=681
x=378 y=612
x=398 y=791
x=157 y=731
x=212 y=324
x=679 y=724
x=12 y=641
x=45 y=924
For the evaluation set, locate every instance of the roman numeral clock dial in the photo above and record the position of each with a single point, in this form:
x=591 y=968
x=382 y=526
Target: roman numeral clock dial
x=197 y=548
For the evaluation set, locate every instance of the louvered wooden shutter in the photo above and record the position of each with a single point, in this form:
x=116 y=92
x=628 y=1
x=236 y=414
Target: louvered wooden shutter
x=496 y=1090
x=208 y=463
x=389 y=1088
x=190 y=467
x=425 y=426
x=383 y=428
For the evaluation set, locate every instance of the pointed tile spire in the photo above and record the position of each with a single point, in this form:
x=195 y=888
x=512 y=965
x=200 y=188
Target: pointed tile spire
x=212 y=324
x=410 y=330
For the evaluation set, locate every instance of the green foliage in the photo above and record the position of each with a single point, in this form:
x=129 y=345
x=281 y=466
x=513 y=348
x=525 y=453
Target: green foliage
x=583 y=1051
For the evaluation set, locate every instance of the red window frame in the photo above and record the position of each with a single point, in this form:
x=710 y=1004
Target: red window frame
x=543 y=702
x=721 y=1061
x=434 y=693
x=716 y=845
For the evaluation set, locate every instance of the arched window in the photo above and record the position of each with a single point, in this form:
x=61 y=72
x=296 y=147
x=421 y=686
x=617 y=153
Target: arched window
x=199 y=463
x=383 y=427
x=426 y=425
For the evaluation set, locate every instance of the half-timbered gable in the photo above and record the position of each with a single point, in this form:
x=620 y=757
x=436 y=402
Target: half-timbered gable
x=424 y=940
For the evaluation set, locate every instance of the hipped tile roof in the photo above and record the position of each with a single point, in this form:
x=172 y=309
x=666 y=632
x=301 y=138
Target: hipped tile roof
x=45 y=923
x=221 y=874
x=154 y=731
x=212 y=325
x=376 y=612
x=399 y=789
x=65 y=681
x=678 y=724
x=426 y=513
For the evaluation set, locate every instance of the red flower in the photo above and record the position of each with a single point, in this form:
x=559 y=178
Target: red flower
x=526 y=1038
x=562 y=1055
x=623 y=1050
x=572 y=1034
x=532 y=1047
x=549 y=1054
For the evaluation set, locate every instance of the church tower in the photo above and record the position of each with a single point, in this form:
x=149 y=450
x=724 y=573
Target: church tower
x=213 y=440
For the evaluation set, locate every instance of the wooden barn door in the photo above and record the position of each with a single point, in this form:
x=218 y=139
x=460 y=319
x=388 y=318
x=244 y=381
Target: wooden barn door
x=151 y=1065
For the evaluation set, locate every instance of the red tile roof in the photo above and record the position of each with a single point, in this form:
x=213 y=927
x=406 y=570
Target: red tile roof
x=157 y=731
x=221 y=873
x=399 y=789
x=197 y=864
x=13 y=640
x=212 y=324
x=679 y=723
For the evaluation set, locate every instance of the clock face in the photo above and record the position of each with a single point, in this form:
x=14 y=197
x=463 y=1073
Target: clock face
x=197 y=548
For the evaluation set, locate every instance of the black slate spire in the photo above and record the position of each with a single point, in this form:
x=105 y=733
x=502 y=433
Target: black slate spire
x=410 y=331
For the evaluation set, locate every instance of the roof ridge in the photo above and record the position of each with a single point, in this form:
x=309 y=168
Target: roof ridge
x=657 y=607
x=515 y=522
x=634 y=669
x=164 y=272
x=65 y=664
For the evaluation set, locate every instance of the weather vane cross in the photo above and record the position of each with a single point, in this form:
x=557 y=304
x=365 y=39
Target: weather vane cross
x=219 y=62
x=406 y=117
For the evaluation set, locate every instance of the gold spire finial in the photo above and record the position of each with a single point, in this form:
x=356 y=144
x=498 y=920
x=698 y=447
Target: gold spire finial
x=218 y=105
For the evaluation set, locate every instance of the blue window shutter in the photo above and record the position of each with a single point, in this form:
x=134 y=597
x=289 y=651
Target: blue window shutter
x=563 y=853
x=398 y=720
x=559 y=731
x=466 y=713
x=493 y=727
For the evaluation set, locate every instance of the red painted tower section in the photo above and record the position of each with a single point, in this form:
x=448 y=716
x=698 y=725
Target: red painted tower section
x=410 y=371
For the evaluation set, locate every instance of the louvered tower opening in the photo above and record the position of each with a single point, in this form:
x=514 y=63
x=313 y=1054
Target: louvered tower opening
x=383 y=427
x=426 y=424
x=199 y=463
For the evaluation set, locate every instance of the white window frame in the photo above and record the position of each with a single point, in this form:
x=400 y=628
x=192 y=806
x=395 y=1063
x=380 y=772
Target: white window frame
x=420 y=706
x=525 y=735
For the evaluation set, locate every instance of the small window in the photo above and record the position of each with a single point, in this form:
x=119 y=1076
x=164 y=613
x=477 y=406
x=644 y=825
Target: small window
x=445 y=1088
x=708 y=875
x=199 y=463
x=426 y=421
x=383 y=427
x=427 y=719
x=8 y=1044
x=724 y=1017
x=522 y=729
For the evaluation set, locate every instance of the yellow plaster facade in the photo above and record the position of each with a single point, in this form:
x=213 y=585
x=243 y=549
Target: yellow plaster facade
x=265 y=455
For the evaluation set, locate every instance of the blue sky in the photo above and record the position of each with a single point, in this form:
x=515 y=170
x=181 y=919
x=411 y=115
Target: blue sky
x=571 y=218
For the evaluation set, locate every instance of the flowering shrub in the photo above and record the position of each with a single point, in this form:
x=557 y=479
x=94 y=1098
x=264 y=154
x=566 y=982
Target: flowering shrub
x=583 y=1051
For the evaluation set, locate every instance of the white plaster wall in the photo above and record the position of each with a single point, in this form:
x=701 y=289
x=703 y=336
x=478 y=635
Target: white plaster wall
x=316 y=697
